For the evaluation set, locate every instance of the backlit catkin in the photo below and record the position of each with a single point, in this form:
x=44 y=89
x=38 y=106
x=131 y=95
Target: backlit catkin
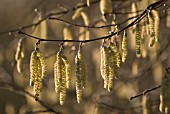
x=156 y=23
x=81 y=75
x=117 y=53
x=58 y=72
x=19 y=55
x=165 y=95
x=105 y=8
x=67 y=70
x=43 y=63
x=152 y=29
x=124 y=48
x=138 y=40
x=104 y=65
x=146 y=103
x=35 y=73
x=111 y=69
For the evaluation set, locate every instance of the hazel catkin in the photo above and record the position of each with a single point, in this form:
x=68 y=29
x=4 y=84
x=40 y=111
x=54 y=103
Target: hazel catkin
x=124 y=48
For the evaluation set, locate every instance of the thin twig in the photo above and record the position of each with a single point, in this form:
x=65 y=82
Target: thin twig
x=144 y=92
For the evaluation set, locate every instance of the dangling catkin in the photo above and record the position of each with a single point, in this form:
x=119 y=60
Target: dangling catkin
x=83 y=68
x=146 y=103
x=88 y=2
x=20 y=65
x=81 y=75
x=78 y=79
x=63 y=83
x=33 y=67
x=124 y=48
x=67 y=33
x=38 y=80
x=156 y=22
x=138 y=40
x=105 y=8
x=165 y=95
x=85 y=18
x=104 y=67
x=43 y=64
x=152 y=29
x=19 y=55
x=58 y=72
x=67 y=70
x=111 y=69
x=117 y=53
x=35 y=73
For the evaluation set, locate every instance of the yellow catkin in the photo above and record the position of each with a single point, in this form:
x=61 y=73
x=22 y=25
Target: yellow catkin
x=43 y=63
x=33 y=67
x=78 y=79
x=77 y=13
x=83 y=68
x=63 y=83
x=67 y=70
x=165 y=95
x=146 y=103
x=156 y=23
x=58 y=72
x=67 y=33
x=117 y=53
x=124 y=48
x=85 y=18
x=38 y=80
x=88 y=2
x=35 y=73
x=81 y=75
x=20 y=65
x=104 y=67
x=19 y=55
x=105 y=8
x=111 y=69
x=152 y=29
x=138 y=40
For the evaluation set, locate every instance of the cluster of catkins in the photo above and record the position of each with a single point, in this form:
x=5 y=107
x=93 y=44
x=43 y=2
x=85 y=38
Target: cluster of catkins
x=110 y=62
x=37 y=71
x=153 y=18
x=62 y=74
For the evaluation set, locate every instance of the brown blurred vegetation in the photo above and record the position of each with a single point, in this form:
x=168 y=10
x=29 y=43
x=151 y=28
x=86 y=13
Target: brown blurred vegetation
x=135 y=75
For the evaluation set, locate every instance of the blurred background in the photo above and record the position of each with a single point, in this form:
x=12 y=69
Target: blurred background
x=135 y=75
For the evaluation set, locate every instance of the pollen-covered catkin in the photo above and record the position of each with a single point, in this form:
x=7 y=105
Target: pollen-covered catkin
x=165 y=95
x=111 y=69
x=33 y=67
x=63 y=84
x=43 y=63
x=138 y=40
x=156 y=23
x=35 y=73
x=67 y=70
x=81 y=75
x=78 y=79
x=152 y=29
x=83 y=68
x=117 y=53
x=38 y=80
x=124 y=48
x=146 y=103
x=58 y=72
x=105 y=8
x=104 y=67
x=19 y=55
